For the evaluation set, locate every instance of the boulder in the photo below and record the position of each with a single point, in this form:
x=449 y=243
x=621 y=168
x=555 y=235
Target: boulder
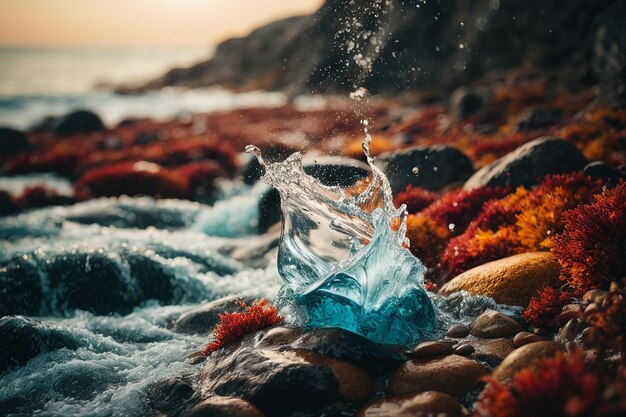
x=524 y=357
x=427 y=403
x=12 y=141
x=430 y=167
x=493 y=324
x=528 y=164
x=513 y=280
x=170 y=395
x=453 y=374
x=330 y=171
x=80 y=121
x=24 y=338
x=602 y=170
x=202 y=319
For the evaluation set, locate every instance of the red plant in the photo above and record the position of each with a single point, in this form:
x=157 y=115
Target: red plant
x=234 y=326
x=545 y=307
x=139 y=178
x=592 y=248
x=558 y=386
x=415 y=198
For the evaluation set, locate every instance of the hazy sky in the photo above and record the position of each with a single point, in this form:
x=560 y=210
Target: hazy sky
x=137 y=22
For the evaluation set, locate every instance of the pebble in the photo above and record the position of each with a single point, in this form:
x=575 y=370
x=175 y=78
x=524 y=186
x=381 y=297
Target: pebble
x=493 y=324
x=427 y=349
x=458 y=331
x=464 y=349
x=524 y=338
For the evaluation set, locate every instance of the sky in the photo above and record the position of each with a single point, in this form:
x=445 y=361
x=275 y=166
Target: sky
x=163 y=23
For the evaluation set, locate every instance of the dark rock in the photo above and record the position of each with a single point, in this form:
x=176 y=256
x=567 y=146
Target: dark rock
x=80 y=121
x=169 y=395
x=330 y=171
x=7 y=206
x=20 y=288
x=465 y=102
x=602 y=170
x=539 y=118
x=458 y=331
x=12 y=141
x=23 y=339
x=203 y=319
x=609 y=52
x=529 y=163
x=464 y=349
x=427 y=403
x=437 y=166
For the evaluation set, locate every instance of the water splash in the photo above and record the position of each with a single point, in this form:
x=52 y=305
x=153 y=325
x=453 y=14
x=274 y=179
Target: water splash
x=341 y=256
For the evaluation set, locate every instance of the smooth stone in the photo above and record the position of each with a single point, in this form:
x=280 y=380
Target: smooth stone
x=453 y=374
x=524 y=356
x=427 y=403
x=426 y=349
x=513 y=280
x=493 y=324
x=595 y=296
x=492 y=351
x=280 y=336
x=202 y=319
x=528 y=164
x=458 y=331
x=438 y=166
x=169 y=395
x=524 y=338
x=224 y=407
x=464 y=349
x=80 y=121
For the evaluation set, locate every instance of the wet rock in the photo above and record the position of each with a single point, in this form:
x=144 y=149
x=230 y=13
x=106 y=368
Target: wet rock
x=428 y=403
x=12 y=141
x=428 y=349
x=539 y=118
x=529 y=163
x=21 y=288
x=170 y=395
x=80 y=121
x=602 y=170
x=465 y=102
x=609 y=52
x=202 y=319
x=464 y=349
x=330 y=171
x=280 y=336
x=224 y=407
x=513 y=280
x=492 y=351
x=24 y=338
x=458 y=331
x=437 y=166
x=524 y=356
x=7 y=206
x=453 y=374
x=493 y=324
x=524 y=338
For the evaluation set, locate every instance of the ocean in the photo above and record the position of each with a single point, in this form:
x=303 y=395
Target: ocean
x=40 y=82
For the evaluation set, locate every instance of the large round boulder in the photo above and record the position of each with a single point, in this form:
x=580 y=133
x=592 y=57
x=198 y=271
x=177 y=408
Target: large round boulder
x=79 y=121
x=529 y=163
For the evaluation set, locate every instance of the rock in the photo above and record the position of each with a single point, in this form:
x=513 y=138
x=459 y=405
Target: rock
x=529 y=163
x=80 y=121
x=224 y=407
x=427 y=349
x=453 y=374
x=609 y=52
x=12 y=141
x=492 y=351
x=539 y=118
x=595 y=296
x=437 y=165
x=493 y=324
x=602 y=170
x=330 y=171
x=24 y=338
x=427 y=403
x=169 y=395
x=202 y=319
x=7 y=206
x=524 y=338
x=458 y=331
x=513 y=280
x=524 y=356
x=21 y=288
x=465 y=102
x=464 y=349
x=280 y=336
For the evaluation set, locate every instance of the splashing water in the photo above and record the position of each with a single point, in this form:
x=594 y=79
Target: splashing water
x=341 y=256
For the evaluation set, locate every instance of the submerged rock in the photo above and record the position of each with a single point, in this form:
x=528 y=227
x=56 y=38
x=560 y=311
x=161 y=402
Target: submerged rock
x=513 y=280
x=24 y=338
x=437 y=166
x=529 y=163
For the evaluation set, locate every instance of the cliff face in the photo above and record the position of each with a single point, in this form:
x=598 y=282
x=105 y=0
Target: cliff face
x=423 y=45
